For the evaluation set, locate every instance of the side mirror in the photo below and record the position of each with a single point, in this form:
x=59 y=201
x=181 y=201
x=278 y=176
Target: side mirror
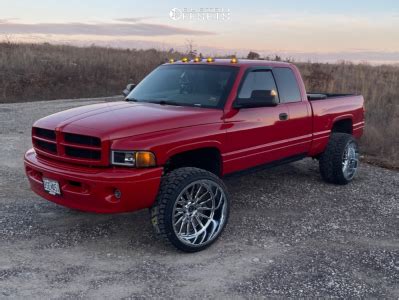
x=128 y=89
x=259 y=98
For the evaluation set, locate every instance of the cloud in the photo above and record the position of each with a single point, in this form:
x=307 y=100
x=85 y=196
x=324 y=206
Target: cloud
x=2 y=21
x=98 y=29
x=133 y=20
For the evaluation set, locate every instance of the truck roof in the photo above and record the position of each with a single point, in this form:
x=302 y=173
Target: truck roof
x=240 y=62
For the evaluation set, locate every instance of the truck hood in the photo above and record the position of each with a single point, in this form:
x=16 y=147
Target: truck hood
x=114 y=120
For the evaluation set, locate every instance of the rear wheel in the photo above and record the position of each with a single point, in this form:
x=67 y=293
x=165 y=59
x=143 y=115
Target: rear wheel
x=340 y=160
x=191 y=209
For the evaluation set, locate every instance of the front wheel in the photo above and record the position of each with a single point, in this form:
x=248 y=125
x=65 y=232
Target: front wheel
x=191 y=209
x=340 y=160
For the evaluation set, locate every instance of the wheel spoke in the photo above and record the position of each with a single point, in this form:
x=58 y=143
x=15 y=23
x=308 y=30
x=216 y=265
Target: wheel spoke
x=192 y=192
x=199 y=221
x=198 y=191
x=182 y=200
x=194 y=227
x=202 y=215
x=179 y=220
x=188 y=196
x=204 y=208
x=188 y=227
x=181 y=226
x=195 y=239
x=179 y=213
x=219 y=202
x=202 y=196
x=203 y=237
x=205 y=201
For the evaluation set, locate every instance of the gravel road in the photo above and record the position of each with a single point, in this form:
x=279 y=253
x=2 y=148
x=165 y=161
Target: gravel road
x=289 y=235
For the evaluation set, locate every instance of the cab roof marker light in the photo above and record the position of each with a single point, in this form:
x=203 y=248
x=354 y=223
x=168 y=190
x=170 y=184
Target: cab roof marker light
x=197 y=59
x=234 y=60
x=171 y=61
x=209 y=60
x=184 y=59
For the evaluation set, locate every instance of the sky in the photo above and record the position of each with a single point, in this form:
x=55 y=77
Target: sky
x=305 y=30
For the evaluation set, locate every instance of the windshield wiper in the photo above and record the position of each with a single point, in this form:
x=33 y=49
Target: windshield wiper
x=132 y=100
x=166 y=102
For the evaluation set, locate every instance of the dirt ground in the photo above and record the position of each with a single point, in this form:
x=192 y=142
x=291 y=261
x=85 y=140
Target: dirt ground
x=289 y=235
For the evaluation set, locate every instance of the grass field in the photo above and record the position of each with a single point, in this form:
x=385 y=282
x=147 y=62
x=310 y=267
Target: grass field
x=31 y=72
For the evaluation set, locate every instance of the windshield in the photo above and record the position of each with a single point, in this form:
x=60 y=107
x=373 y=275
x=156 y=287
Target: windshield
x=186 y=85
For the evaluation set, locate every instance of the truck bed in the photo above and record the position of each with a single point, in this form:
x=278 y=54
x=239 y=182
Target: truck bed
x=334 y=108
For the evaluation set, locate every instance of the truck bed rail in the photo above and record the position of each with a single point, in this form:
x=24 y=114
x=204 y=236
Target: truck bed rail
x=322 y=96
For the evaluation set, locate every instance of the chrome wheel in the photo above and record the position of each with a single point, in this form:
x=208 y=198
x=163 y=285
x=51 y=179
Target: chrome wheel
x=199 y=213
x=350 y=160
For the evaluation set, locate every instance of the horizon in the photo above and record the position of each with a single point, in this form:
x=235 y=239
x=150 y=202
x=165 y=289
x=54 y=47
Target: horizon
x=307 y=31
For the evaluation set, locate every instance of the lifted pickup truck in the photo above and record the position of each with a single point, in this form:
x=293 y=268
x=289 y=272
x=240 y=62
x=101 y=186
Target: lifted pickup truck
x=179 y=131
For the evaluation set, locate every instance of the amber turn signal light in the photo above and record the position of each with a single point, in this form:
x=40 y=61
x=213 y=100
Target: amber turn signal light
x=145 y=159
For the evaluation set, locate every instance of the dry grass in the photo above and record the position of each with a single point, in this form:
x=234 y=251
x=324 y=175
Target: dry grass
x=42 y=71
x=36 y=72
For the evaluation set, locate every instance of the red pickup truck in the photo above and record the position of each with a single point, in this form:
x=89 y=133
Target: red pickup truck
x=180 y=131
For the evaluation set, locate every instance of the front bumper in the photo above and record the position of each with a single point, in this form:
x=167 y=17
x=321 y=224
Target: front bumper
x=92 y=189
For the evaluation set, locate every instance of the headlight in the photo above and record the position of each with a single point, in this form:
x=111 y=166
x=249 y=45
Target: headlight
x=138 y=159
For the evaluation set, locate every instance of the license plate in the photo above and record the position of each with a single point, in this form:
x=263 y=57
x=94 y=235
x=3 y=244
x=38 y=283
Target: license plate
x=51 y=186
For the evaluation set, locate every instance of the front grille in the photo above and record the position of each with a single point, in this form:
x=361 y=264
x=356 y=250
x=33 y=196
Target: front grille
x=82 y=139
x=70 y=147
x=45 y=133
x=83 y=153
x=46 y=146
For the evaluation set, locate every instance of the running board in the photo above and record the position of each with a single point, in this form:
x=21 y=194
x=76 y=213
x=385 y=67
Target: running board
x=272 y=164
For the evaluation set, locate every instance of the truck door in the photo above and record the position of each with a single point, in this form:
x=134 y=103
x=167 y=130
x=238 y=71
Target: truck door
x=255 y=136
x=298 y=128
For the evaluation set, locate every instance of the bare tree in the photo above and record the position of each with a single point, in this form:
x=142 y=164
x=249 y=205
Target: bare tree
x=191 y=51
x=8 y=39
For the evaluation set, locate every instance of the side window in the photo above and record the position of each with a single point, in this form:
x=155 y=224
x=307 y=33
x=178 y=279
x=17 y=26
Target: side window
x=257 y=80
x=287 y=85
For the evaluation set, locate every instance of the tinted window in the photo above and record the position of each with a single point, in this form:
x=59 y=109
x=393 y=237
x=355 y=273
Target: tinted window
x=257 y=80
x=287 y=85
x=186 y=85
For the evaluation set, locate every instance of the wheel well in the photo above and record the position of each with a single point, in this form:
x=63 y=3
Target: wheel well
x=343 y=126
x=205 y=158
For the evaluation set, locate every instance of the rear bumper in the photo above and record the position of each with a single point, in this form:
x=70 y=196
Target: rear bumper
x=92 y=189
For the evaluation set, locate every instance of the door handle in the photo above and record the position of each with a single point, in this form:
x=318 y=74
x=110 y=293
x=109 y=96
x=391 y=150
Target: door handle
x=283 y=116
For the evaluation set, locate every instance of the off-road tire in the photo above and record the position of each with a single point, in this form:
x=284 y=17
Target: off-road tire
x=330 y=162
x=172 y=184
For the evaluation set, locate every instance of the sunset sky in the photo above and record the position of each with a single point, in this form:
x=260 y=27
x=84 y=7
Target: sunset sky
x=316 y=30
